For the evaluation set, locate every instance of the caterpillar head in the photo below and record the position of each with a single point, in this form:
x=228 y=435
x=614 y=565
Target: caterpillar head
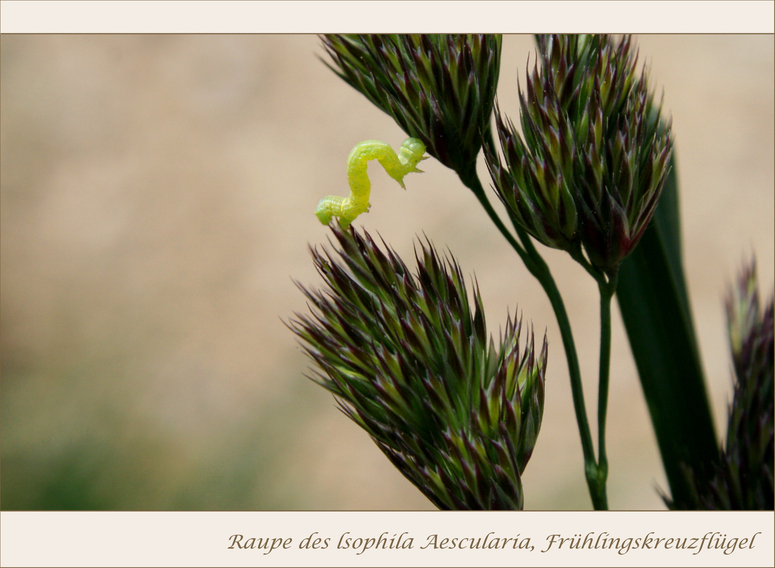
x=412 y=152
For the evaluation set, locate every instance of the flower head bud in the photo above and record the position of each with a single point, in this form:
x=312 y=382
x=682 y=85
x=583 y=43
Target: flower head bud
x=409 y=359
x=438 y=88
x=593 y=156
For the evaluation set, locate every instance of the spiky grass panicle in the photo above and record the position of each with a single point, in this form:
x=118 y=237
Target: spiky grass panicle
x=438 y=88
x=749 y=443
x=593 y=156
x=743 y=478
x=409 y=359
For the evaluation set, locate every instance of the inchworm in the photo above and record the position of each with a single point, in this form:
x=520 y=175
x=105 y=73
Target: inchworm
x=396 y=165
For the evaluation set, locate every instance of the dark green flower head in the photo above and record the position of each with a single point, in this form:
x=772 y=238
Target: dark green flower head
x=438 y=88
x=749 y=444
x=743 y=477
x=409 y=359
x=593 y=156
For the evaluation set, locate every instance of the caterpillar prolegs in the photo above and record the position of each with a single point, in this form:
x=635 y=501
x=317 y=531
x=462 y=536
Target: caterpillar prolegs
x=396 y=165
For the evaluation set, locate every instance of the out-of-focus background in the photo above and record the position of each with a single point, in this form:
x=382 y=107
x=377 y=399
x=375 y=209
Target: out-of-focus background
x=158 y=196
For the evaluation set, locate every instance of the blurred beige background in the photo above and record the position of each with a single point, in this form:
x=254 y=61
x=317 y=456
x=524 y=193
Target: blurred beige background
x=157 y=200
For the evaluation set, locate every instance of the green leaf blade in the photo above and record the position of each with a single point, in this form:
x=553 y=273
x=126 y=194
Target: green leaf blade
x=654 y=304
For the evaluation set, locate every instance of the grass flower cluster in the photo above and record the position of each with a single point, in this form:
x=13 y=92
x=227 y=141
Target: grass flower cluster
x=743 y=476
x=409 y=359
x=593 y=156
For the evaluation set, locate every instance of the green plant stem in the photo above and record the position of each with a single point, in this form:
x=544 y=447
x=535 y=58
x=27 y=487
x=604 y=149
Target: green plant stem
x=607 y=290
x=591 y=466
x=535 y=263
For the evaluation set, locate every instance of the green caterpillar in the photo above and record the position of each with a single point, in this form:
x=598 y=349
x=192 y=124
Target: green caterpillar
x=396 y=165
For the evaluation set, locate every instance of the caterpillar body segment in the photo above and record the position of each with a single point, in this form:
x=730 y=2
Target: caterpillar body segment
x=329 y=207
x=412 y=151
